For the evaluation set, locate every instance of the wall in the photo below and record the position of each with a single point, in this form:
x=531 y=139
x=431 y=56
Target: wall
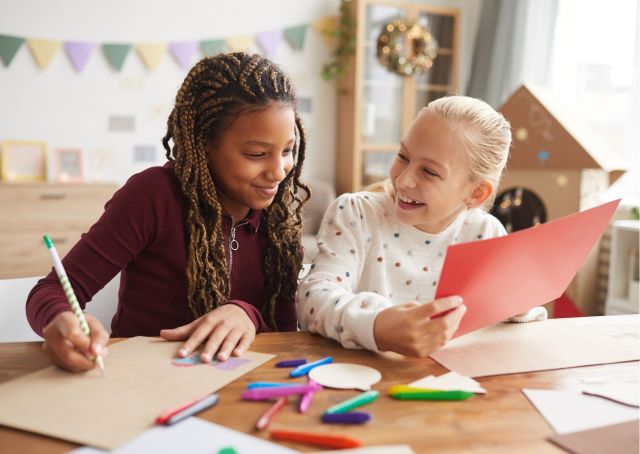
x=67 y=109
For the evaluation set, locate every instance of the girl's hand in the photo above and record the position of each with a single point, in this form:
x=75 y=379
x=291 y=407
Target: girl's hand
x=225 y=330
x=69 y=346
x=409 y=329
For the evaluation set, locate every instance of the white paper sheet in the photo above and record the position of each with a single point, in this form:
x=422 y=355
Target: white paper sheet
x=450 y=381
x=571 y=411
x=624 y=393
x=508 y=348
x=381 y=449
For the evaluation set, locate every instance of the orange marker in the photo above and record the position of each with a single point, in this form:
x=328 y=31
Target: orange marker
x=264 y=420
x=318 y=439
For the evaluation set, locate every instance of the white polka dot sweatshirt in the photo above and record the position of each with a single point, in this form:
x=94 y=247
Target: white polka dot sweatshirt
x=369 y=260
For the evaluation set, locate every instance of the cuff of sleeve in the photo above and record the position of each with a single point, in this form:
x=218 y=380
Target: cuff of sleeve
x=360 y=322
x=533 y=315
x=253 y=314
x=43 y=317
x=364 y=334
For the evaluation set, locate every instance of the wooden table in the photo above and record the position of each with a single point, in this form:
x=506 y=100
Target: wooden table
x=503 y=420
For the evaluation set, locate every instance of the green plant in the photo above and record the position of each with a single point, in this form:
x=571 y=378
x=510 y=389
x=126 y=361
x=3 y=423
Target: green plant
x=345 y=34
x=635 y=213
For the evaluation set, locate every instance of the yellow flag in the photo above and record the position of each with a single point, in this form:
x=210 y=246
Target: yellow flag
x=326 y=27
x=43 y=50
x=240 y=43
x=151 y=54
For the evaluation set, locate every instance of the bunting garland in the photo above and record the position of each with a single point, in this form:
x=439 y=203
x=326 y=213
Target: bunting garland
x=239 y=43
x=116 y=54
x=43 y=50
x=79 y=53
x=9 y=46
x=210 y=48
x=268 y=41
x=152 y=54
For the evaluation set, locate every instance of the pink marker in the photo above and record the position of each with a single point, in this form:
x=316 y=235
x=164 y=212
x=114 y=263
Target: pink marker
x=305 y=400
x=279 y=391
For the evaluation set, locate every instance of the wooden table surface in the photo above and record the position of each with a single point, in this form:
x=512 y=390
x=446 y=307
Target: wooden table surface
x=503 y=420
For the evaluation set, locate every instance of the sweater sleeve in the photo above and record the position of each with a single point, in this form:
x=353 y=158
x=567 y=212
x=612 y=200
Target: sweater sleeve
x=285 y=320
x=128 y=223
x=330 y=301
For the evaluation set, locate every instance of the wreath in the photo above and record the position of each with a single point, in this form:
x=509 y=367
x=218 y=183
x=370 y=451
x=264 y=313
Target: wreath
x=423 y=48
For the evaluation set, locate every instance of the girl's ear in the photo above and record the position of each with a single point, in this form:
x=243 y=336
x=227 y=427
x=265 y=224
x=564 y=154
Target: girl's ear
x=481 y=192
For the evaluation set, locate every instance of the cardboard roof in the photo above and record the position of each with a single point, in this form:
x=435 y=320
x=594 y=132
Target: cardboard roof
x=546 y=136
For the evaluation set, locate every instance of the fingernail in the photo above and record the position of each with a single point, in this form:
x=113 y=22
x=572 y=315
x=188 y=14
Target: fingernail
x=456 y=299
x=97 y=349
x=183 y=352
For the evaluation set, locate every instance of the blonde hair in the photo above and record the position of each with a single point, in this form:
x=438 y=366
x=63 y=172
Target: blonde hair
x=485 y=135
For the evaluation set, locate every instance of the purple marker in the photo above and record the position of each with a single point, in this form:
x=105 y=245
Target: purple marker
x=346 y=418
x=291 y=362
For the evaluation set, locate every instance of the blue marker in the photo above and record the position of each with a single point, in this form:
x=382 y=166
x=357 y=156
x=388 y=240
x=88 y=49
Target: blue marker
x=305 y=368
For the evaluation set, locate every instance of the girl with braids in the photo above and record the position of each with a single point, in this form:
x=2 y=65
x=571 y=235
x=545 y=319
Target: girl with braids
x=208 y=245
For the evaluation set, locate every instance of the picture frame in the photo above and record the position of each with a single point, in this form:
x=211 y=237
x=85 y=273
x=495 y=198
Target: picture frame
x=23 y=160
x=69 y=165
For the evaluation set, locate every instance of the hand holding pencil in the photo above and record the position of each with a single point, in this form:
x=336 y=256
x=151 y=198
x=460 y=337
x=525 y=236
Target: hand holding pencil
x=74 y=341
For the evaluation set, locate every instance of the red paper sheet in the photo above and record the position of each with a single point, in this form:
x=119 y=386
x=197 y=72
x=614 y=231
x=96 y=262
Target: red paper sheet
x=502 y=277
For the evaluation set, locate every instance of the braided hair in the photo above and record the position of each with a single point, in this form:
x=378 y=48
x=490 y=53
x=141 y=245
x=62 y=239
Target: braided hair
x=217 y=91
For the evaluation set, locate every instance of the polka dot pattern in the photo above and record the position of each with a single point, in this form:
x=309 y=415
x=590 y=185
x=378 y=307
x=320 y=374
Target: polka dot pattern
x=365 y=247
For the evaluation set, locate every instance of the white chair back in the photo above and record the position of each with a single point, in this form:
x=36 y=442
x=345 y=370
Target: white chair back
x=13 y=296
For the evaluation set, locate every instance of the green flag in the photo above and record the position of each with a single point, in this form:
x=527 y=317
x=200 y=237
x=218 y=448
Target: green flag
x=9 y=45
x=295 y=36
x=116 y=54
x=212 y=47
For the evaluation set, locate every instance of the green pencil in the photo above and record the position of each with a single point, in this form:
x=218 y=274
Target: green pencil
x=68 y=291
x=357 y=401
x=404 y=392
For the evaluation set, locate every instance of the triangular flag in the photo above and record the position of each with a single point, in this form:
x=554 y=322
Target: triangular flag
x=184 y=53
x=268 y=41
x=212 y=47
x=327 y=27
x=9 y=46
x=79 y=53
x=151 y=54
x=295 y=36
x=43 y=50
x=239 y=43
x=116 y=54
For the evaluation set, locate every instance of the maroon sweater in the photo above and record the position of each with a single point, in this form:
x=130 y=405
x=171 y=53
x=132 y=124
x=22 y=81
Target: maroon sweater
x=142 y=235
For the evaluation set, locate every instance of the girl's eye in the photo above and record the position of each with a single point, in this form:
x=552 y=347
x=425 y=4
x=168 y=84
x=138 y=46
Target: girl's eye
x=402 y=157
x=287 y=152
x=429 y=172
x=254 y=155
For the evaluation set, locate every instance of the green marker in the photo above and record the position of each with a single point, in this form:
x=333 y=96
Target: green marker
x=349 y=404
x=404 y=392
x=228 y=450
x=68 y=291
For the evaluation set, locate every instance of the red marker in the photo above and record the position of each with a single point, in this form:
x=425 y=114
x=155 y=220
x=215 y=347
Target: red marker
x=264 y=420
x=174 y=415
x=318 y=439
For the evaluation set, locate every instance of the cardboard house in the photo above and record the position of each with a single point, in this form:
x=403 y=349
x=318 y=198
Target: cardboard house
x=556 y=167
